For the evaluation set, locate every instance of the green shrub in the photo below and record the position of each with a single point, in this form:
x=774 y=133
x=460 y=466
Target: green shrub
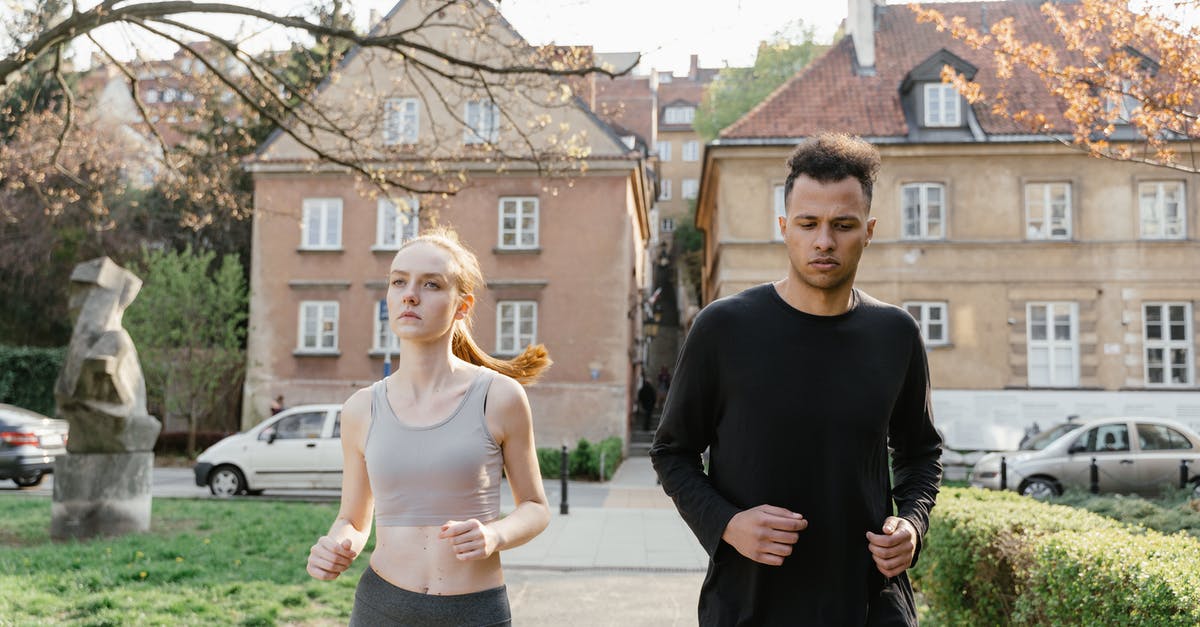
x=997 y=558
x=584 y=461
x=27 y=376
x=612 y=447
x=550 y=462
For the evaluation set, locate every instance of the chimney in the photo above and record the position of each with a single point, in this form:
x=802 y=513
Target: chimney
x=694 y=67
x=860 y=27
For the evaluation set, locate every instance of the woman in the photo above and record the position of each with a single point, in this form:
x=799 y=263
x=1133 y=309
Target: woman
x=423 y=450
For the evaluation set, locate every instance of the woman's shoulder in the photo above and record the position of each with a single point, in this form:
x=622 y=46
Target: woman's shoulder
x=357 y=408
x=505 y=394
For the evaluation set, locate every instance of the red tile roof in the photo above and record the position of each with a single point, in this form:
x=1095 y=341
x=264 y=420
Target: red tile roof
x=828 y=95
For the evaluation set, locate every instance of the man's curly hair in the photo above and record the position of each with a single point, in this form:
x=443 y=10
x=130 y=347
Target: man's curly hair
x=831 y=157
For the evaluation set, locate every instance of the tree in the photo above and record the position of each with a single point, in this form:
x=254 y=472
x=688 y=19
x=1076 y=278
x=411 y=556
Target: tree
x=188 y=324
x=736 y=90
x=1111 y=67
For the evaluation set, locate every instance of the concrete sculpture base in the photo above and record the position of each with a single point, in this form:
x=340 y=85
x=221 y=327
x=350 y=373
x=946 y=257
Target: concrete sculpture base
x=101 y=494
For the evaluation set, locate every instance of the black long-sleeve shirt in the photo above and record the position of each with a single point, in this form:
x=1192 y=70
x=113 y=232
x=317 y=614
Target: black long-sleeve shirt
x=798 y=411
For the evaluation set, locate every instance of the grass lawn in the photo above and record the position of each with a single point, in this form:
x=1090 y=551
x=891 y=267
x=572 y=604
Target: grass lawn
x=203 y=563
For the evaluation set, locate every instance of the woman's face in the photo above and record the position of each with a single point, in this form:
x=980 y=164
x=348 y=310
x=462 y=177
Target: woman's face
x=423 y=298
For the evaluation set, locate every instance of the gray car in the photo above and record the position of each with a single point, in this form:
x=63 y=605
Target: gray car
x=1132 y=454
x=29 y=442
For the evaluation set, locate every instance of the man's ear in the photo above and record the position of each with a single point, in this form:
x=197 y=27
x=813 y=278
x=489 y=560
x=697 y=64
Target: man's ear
x=870 y=231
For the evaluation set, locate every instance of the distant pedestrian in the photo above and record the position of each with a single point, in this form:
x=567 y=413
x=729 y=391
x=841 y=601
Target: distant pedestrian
x=277 y=405
x=664 y=384
x=647 y=398
x=423 y=452
x=798 y=389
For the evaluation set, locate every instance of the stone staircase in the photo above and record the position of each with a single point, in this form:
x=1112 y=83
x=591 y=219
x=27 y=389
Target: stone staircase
x=640 y=439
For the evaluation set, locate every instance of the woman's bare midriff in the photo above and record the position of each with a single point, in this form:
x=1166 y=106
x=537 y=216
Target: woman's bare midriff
x=414 y=558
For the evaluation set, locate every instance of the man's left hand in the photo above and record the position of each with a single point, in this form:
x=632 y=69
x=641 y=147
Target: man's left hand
x=893 y=550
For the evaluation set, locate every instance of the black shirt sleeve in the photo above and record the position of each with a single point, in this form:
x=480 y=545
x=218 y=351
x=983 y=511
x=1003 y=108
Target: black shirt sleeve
x=687 y=428
x=916 y=446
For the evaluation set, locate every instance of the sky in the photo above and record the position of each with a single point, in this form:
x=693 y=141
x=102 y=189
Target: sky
x=665 y=31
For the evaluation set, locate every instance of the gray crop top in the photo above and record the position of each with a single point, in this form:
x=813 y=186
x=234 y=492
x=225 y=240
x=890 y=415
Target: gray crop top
x=424 y=476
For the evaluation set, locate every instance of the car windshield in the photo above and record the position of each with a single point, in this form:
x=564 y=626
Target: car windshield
x=1043 y=439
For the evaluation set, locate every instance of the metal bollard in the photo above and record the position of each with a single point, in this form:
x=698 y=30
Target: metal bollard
x=1095 y=477
x=1183 y=473
x=562 y=506
x=1003 y=473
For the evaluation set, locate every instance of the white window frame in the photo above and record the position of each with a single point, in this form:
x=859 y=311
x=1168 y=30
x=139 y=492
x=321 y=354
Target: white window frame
x=512 y=310
x=151 y=96
x=1050 y=345
x=664 y=189
x=689 y=188
x=948 y=109
x=330 y=210
x=779 y=206
x=925 y=320
x=326 y=312
x=1166 y=345
x=401 y=121
x=1155 y=215
x=392 y=229
x=378 y=332
x=679 y=114
x=663 y=147
x=483 y=122
x=923 y=223
x=691 y=150
x=667 y=225
x=525 y=206
x=1039 y=205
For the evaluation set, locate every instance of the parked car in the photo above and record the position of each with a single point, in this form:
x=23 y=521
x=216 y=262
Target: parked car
x=1133 y=455
x=29 y=442
x=298 y=448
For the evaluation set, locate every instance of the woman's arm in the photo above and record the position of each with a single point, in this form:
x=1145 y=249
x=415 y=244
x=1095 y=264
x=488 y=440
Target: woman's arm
x=508 y=410
x=334 y=552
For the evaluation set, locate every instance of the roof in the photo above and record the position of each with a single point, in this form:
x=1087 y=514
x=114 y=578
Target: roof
x=828 y=95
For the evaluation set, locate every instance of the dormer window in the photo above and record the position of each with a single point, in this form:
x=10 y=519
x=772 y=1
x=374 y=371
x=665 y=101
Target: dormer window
x=942 y=105
x=679 y=115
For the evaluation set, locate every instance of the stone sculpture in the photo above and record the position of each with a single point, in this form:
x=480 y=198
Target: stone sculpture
x=102 y=486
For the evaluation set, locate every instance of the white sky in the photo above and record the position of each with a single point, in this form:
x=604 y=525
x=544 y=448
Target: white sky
x=665 y=31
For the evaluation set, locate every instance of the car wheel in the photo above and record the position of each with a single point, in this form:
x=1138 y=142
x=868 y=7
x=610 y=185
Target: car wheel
x=1040 y=489
x=226 y=481
x=28 y=481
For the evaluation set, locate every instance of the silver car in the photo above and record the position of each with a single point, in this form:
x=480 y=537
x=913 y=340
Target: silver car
x=29 y=442
x=1132 y=455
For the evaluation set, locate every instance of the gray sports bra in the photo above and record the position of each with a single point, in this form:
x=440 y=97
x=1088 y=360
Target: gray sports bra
x=424 y=476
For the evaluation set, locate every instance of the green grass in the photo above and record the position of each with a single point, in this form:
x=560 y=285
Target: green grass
x=202 y=563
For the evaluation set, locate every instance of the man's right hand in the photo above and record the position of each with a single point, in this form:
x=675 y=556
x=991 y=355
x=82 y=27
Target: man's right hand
x=765 y=533
x=329 y=558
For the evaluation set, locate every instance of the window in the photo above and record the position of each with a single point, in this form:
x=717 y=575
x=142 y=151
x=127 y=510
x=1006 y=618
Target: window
x=483 y=122
x=1168 y=344
x=384 y=338
x=780 y=206
x=667 y=225
x=689 y=188
x=664 y=150
x=1163 y=213
x=304 y=426
x=923 y=205
x=151 y=96
x=1106 y=438
x=396 y=225
x=516 y=326
x=691 y=151
x=679 y=115
x=1048 y=211
x=932 y=318
x=1161 y=438
x=1053 y=344
x=187 y=96
x=168 y=94
x=1120 y=106
x=322 y=226
x=942 y=106
x=518 y=223
x=401 y=121
x=664 y=189
x=318 y=326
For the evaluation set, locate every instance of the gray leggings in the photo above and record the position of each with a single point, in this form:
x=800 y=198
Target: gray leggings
x=379 y=603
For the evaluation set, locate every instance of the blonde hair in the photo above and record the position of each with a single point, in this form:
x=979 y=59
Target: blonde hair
x=468 y=276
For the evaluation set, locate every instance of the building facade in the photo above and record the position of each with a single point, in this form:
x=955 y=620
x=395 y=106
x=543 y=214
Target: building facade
x=1047 y=283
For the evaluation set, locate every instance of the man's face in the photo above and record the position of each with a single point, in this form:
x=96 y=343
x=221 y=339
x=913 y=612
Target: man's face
x=826 y=230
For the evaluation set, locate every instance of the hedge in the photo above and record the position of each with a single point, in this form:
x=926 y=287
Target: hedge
x=997 y=558
x=584 y=461
x=27 y=376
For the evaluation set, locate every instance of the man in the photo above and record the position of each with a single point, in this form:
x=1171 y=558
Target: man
x=647 y=399
x=798 y=388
